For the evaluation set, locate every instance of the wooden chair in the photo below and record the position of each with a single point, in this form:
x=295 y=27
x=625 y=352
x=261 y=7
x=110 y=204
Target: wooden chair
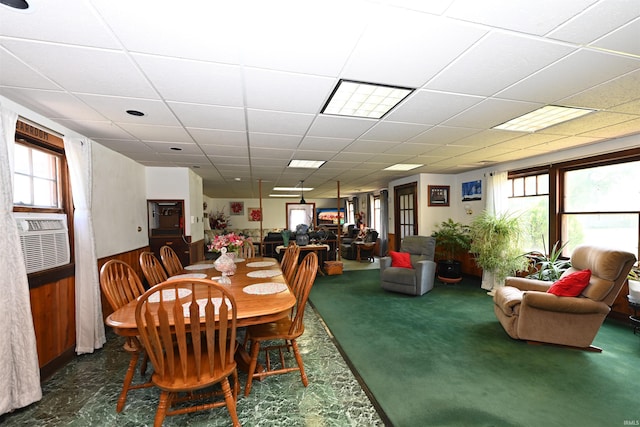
x=170 y=261
x=286 y=330
x=289 y=262
x=152 y=269
x=121 y=285
x=191 y=341
x=247 y=250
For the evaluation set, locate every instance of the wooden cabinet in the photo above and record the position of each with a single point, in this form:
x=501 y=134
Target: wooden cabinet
x=166 y=227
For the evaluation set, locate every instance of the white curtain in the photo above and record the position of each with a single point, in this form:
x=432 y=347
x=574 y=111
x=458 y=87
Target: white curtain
x=89 y=326
x=19 y=369
x=497 y=199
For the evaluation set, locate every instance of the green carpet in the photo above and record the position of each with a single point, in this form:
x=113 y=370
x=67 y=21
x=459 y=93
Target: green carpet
x=443 y=359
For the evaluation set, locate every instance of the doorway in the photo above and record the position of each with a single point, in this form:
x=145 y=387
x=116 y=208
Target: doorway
x=405 y=211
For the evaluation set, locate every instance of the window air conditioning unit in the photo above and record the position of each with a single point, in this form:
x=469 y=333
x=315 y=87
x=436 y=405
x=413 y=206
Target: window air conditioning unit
x=44 y=239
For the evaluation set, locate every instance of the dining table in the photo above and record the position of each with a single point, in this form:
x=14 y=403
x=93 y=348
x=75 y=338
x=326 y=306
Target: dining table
x=260 y=291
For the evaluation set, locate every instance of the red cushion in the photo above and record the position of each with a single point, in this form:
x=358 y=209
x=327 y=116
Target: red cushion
x=571 y=285
x=400 y=259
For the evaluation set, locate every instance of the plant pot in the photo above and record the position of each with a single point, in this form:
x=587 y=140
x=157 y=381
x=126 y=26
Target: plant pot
x=450 y=271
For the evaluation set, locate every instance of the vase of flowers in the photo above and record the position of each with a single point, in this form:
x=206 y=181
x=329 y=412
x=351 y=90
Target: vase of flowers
x=231 y=241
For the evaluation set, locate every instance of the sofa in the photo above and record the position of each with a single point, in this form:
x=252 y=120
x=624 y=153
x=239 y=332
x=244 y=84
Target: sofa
x=527 y=311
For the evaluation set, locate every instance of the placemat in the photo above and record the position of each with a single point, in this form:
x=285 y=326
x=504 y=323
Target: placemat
x=265 y=288
x=202 y=302
x=170 y=295
x=198 y=267
x=239 y=260
x=261 y=264
x=264 y=273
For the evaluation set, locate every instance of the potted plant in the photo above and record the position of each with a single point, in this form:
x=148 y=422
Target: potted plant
x=548 y=267
x=495 y=243
x=452 y=238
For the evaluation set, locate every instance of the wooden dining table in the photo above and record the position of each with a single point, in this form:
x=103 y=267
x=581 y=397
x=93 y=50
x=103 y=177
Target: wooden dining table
x=252 y=308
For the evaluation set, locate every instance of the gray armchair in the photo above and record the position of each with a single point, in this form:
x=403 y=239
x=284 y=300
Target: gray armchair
x=413 y=281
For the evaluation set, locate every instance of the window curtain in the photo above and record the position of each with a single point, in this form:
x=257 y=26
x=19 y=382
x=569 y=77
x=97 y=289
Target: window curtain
x=19 y=369
x=369 y=211
x=89 y=326
x=384 y=222
x=497 y=199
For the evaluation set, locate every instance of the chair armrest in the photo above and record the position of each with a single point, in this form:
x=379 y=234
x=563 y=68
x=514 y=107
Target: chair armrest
x=525 y=284
x=385 y=262
x=551 y=302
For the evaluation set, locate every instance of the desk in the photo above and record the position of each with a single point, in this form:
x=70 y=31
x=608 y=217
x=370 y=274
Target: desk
x=252 y=309
x=320 y=250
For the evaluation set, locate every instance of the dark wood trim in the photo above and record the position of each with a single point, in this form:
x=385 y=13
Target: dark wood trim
x=51 y=275
x=59 y=362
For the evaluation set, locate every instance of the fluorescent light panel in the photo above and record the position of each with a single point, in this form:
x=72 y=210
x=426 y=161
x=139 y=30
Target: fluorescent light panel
x=292 y=188
x=543 y=118
x=402 y=167
x=306 y=164
x=291 y=196
x=358 y=99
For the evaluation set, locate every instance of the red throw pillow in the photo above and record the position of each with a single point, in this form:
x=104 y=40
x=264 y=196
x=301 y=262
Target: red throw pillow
x=571 y=285
x=400 y=259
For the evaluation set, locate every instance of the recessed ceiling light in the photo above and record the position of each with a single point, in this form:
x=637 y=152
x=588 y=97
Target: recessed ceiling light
x=16 y=4
x=402 y=167
x=291 y=188
x=306 y=164
x=135 y=113
x=543 y=118
x=359 y=99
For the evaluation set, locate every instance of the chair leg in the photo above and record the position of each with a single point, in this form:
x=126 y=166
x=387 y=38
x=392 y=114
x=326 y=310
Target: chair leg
x=303 y=375
x=127 y=381
x=163 y=405
x=230 y=401
x=255 y=351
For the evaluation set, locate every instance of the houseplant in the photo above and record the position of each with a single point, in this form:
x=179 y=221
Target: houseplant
x=495 y=243
x=452 y=238
x=548 y=267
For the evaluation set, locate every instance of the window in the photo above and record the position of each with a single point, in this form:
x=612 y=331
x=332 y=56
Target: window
x=36 y=177
x=601 y=203
x=351 y=214
x=376 y=213
x=529 y=198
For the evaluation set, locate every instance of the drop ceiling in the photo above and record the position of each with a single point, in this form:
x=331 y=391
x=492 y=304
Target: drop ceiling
x=238 y=86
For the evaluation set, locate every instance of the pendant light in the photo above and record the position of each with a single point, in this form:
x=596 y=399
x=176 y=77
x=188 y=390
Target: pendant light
x=302 y=200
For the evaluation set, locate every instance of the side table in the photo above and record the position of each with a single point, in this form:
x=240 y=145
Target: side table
x=366 y=250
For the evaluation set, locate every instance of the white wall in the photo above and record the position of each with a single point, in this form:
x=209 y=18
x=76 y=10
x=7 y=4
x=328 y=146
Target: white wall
x=119 y=205
x=274 y=210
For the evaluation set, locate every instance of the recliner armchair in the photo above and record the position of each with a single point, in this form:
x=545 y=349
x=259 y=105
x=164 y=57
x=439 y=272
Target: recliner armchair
x=413 y=281
x=528 y=312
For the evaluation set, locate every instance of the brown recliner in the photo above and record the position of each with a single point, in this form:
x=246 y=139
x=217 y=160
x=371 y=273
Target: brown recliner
x=527 y=312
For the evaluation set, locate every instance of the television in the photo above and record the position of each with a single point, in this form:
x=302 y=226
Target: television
x=329 y=216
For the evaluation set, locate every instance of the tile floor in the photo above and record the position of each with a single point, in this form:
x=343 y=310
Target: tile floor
x=84 y=393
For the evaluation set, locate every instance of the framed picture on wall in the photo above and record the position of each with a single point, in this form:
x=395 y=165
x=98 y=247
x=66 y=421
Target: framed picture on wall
x=472 y=190
x=255 y=214
x=438 y=195
x=236 y=208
